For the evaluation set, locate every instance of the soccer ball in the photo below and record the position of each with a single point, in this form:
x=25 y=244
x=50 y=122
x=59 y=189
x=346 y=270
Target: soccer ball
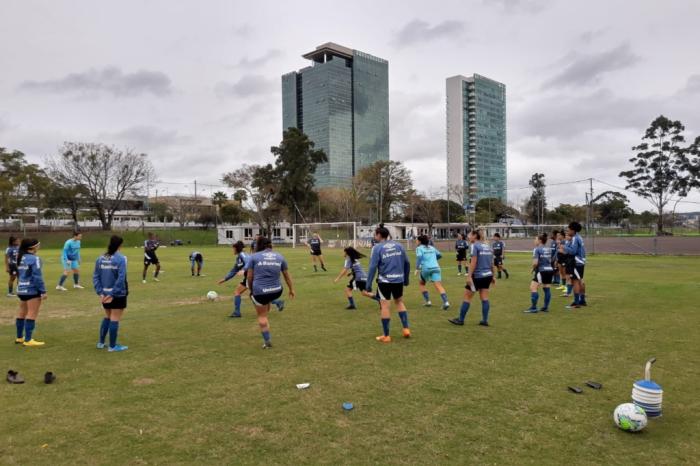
x=212 y=295
x=630 y=417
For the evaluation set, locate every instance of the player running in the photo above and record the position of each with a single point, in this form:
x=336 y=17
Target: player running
x=314 y=244
x=31 y=291
x=70 y=258
x=150 y=257
x=479 y=278
x=264 y=269
x=11 y=264
x=109 y=280
x=461 y=246
x=427 y=258
x=358 y=277
x=499 y=254
x=542 y=274
x=197 y=259
x=390 y=263
x=576 y=267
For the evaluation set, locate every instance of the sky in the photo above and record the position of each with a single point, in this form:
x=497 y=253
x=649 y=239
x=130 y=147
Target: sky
x=196 y=84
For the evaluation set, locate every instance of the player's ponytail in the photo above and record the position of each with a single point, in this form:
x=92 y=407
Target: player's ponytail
x=25 y=246
x=12 y=241
x=575 y=226
x=477 y=234
x=542 y=238
x=263 y=243
x=115 y=243
x=238 y=246
x=382 y=231
x=424 y=240
x=353 y=254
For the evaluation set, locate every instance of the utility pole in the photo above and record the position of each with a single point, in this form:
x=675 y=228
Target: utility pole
x=195 y=190
x=590 y=214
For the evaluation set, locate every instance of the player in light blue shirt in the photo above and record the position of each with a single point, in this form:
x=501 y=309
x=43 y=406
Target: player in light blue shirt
x=390 y=264
x=577 y=252
x=264 y=269
x=542 y=274
x=11 y=254
x=427 y=265
x=111 y=285
x=479 y=278
x=70 y=258
x=358 y=277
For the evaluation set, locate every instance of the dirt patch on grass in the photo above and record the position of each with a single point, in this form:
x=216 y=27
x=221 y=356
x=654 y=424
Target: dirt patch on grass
x=8 y=312
x=249 y=431
x=143 y=381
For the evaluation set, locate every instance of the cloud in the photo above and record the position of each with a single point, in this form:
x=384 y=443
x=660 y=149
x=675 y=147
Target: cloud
x=248 y=85
x=583 y=70
x=108 y=80
x=517 y=6
x=248 y=63
x=419 y=31
x=692 y=87
x=3 y=125
x=144 y=138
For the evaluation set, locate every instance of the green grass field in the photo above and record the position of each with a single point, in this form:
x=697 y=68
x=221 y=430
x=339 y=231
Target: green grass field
x=196 y=387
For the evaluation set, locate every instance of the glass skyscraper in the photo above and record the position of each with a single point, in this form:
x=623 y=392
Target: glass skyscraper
x=476 y=138
x=341 y=102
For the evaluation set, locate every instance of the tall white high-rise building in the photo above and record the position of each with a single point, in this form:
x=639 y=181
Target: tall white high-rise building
x=476 y=139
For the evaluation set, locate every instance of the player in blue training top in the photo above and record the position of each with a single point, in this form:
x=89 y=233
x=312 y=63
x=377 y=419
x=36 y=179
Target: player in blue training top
x=562 y=260
x=196 y=258
x=554 y=249
x=499 y=254
x=427 y=257
x=150 y=257
x=31 y=291
x=390 y=263
x=11 y=264
x=576 y=250
x=358 y=279
x=264 y=270
x=461 y=247
x=70 y=258
x=542 y=273
x=479 y=278
x=314 y=244
x=111 y=285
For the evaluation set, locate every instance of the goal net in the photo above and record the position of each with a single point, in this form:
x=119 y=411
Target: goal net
x=333 y=235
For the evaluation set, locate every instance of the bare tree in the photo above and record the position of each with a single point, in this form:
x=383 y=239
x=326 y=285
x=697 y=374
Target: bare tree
x=107 y=173
x=258 y=183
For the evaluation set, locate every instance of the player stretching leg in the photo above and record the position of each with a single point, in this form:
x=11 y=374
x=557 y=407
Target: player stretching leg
x=390 y=263
x=542 y=274
x=358 y=279
x=150 y=257
x=264 y=269
x=427 y=257
x=112 y=287
x=315 y=248
x=197 y=259
x=479 y=278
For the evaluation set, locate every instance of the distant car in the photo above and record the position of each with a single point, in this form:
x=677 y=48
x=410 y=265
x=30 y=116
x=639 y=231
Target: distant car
x=176 y=242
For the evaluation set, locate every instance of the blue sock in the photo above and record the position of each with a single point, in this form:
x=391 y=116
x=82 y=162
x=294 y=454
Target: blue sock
x=534 y=297
x=403 y=315
x=463 y=311
x=485 y=307
x=581 y=298
x=62 y=280
x=76 y=278
x=19 y=323
x=351 y=301
x=29 y=326
x=104 y=328
x=569 y=288
x=459 y=268
x=385 y=326
x=547 y=297
x=237 y=304
x=9 y=289
x=113 y=332
x=266 y=335
x=444 y=297
x=576 y=298
x=426 y=296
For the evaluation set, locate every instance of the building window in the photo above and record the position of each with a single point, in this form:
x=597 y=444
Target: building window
x=276 y=232
x=229 y=234
x=289 y=233
x=248 y=233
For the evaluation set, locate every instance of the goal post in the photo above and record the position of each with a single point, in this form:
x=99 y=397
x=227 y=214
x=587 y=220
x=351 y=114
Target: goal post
x=333 y=234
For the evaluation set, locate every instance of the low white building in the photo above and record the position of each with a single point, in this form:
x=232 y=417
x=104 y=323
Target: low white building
x=281 y=233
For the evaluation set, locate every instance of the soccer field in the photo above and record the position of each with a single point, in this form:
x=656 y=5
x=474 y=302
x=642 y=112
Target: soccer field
x=195 y=386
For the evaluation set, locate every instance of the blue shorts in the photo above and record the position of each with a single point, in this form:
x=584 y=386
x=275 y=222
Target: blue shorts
x=431 y=275
x=68 y=264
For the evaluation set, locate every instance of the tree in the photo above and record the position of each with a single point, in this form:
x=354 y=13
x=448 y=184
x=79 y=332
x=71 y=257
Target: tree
x=426 y=209
x=219 y=198
x=233 y=214
x=386 y=184
x=536 y=206
x=612 y=207
x=492 y=209
x=259 y=184
x=662 y=167
x=160 y=211
x=107 y=173
x=295 y=164
x=21 y=184
x=67 y=195
x=566 y=213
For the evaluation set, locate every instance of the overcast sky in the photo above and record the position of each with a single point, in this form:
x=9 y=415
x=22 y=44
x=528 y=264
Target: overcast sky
x=196 y=84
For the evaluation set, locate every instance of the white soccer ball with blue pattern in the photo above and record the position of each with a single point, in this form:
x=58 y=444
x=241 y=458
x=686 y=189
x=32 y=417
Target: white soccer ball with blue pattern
x=212 y=295
x=630 y=417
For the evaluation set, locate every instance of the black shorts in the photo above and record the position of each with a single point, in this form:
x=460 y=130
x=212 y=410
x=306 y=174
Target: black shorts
x=150 y=258
x=482 y=283
x=543 y=278
x=316 y=253
x=497 y=260
x=569 y=266
x=577 y=272
x=359 y=285
x=13 y=270
x=118 y=302
x=198 y=258
x=28 y=297
x=461 y=256
x=387 y=291
x=244 y=282
x=264 y=299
